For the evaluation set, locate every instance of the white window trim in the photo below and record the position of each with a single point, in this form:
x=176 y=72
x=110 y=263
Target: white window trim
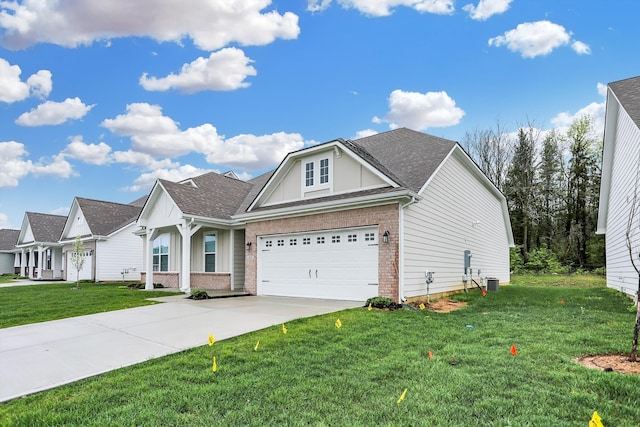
x=204 y=252
x=160 y=254
x=315 y=160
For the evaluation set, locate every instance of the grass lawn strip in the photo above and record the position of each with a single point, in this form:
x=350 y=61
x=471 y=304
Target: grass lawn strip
x=21 y=305
x=318 y=374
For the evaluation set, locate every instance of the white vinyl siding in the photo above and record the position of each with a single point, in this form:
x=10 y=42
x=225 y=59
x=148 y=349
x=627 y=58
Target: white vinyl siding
x=121 y=252
x=620 y=273
x=78 y=225
x=239 y=250
x=6 y=263
x=440 y=227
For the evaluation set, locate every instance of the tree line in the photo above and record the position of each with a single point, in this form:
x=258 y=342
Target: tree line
x=551 y=181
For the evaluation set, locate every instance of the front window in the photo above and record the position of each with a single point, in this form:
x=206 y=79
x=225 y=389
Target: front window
x=308 y=174
x=48 y=263
x=210 y=253
x=324 y=171
x=161 y=253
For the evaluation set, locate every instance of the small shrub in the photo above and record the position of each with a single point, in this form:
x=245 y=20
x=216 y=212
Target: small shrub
x=600 y=271
x=380 y=302
x=158 y=286
x=199 y=294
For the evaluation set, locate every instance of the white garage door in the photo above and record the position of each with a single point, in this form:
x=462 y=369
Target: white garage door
x=84 y=273
x=335 y=264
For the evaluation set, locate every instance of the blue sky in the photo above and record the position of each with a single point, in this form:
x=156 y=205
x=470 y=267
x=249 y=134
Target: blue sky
x=98 y=99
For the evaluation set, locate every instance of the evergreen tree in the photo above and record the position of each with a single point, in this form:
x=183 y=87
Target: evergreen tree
x=550 y=186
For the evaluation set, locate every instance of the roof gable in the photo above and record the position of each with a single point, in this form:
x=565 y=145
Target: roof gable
x=8 y=239
x=45 y=228
x=628 y=94
x=103 y=218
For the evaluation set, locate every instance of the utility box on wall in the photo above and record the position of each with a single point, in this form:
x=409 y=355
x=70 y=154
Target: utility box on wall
x=493 y=284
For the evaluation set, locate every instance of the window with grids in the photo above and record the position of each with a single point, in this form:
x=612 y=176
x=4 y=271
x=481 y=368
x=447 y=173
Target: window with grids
x=293 y=242
x=268 y=243
x=306 y=241
x=320 y=240
x=281 y=242
x=324 y=171
x=369 y=237
x=308 y=174
x=352 y=238
x=210 y=253
x=161 y=253
x=335 y=239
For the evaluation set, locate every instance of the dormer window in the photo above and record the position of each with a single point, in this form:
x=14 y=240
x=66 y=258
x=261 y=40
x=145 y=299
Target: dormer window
x=317 y=173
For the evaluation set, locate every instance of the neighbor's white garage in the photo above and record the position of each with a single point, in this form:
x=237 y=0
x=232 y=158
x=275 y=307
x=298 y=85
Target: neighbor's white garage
x=85 y=272
x=334 y=264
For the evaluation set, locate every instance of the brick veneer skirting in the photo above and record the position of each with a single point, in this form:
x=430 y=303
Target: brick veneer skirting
x=217 y=281
x=385 y=217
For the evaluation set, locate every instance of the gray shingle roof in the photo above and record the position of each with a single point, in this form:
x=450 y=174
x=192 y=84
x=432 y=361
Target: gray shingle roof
x=140 y=202
x=412 y=157
x=103 y=218
x=8 y=238
x=628 y=93
x=46 y=227
x=215 y=195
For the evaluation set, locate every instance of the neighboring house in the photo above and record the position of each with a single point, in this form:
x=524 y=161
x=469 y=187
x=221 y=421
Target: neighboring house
x=112 y=251
x=38 y=253
x=8 y=240
x=340 y=220
x=620 y=165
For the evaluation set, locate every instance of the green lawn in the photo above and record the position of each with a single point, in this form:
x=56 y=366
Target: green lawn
x=21 y=305
x=563 y=280
x=320 y=375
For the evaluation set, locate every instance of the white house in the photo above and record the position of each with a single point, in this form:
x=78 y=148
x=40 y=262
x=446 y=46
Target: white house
x=112 y=251
x=340 y=220
x=8 y=240
x=620 y=166
x=38 y=253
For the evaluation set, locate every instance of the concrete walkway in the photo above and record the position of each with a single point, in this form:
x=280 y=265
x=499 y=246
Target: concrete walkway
x=45 y=355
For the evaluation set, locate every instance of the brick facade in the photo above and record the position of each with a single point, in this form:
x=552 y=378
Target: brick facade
x=386 y=217
x=212 y=281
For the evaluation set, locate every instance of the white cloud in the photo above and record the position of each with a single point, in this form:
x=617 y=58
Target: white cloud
x=95 y=154
x=487 y=8
x=384 y=7
x=157 y=135
x=14 y=167
x=12 y=89
x=57 y=166
x=142 y=159
x=420 y=111
x=211 y=24
x=595 y=111
x=533 y=39
x=55 y=113
x=581 y=48
x=225 y=69
x=62 y=210
x=145 y=181
x=364 y=133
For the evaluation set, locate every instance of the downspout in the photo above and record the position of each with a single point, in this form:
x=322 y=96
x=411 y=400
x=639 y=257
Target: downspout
x=401 y=248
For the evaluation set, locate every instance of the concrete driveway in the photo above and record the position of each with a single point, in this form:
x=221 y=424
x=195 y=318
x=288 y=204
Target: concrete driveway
x=45 y=355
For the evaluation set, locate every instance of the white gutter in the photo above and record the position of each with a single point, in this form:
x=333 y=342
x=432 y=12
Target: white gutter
x=401 y=246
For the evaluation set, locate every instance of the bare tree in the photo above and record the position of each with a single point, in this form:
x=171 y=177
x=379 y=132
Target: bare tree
x=77 y=259
x=491 y=150
x=633 y=246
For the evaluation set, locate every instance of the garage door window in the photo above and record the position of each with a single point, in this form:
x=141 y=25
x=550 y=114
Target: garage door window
x=210 y=253
x=161 y=253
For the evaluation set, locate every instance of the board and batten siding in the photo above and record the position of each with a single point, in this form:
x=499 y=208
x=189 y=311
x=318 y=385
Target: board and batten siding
x=457 y=211
x=620 y=272
x=238 y=262
x=78 y=226
x=121 y=251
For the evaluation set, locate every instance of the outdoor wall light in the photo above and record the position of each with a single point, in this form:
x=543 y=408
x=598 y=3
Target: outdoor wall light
x=248 y=246
x=385 y=236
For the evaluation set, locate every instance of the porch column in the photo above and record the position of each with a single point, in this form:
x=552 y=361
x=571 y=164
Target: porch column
x=185 y=262
x=41 y=261
x=232 y=270
x=32 y=263
x=23 y=262
x=148 y=240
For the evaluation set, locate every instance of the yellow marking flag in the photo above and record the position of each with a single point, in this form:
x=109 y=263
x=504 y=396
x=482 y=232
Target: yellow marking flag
x=369 y=308
x=338 y=323
x=257 y=345
x=404 y=393
x=422 y=306
x=595 y=421
x=214 y=368
x=284 y=329
x=211 y=340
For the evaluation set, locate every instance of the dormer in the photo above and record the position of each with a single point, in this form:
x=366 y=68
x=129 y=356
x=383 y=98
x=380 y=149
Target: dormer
x=324 y=170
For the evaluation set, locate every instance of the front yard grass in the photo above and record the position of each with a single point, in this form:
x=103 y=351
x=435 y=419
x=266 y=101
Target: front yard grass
x=318 y=374
x=21 y=305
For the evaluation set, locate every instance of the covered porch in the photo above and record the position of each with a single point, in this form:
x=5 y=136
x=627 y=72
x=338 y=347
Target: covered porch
x=194 y=255
x=39 y=262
